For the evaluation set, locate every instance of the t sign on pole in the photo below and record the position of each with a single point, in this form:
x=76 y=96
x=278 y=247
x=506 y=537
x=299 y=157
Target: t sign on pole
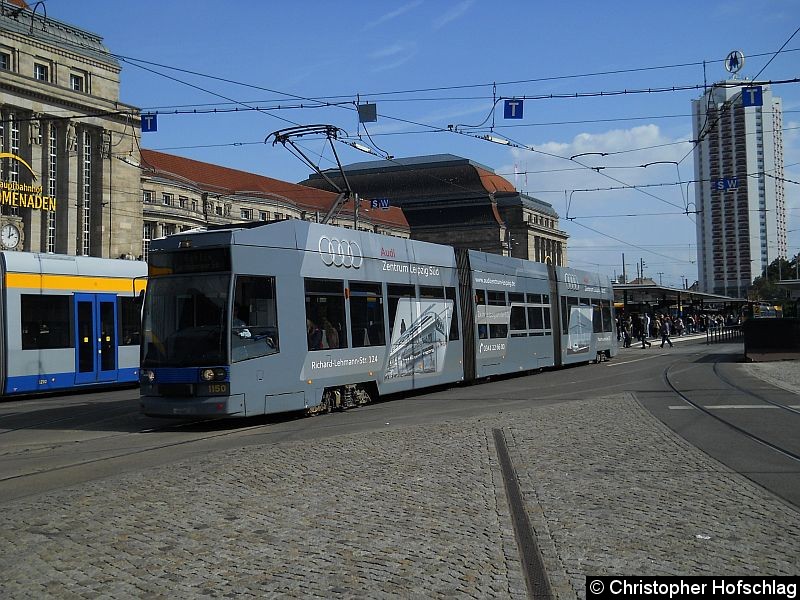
x=149 y=123
x=512 y=109
x=752 y=96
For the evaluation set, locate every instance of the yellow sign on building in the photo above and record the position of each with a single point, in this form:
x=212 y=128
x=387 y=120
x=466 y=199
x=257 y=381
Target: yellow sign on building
x=21 y=195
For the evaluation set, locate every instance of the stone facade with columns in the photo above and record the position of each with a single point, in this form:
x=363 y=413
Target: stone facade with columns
x=69 y=180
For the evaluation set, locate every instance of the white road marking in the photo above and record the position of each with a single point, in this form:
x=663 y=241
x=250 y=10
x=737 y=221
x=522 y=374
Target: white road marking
x=727 y=406
x=627 y=362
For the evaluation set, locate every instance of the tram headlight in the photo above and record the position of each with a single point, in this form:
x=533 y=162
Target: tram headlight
x=215 y=374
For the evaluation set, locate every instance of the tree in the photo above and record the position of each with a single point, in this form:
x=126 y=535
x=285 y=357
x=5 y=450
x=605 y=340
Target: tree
x=765 y=288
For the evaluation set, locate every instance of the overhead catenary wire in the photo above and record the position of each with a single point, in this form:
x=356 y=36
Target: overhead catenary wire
x=510 y=83
x=631 y=244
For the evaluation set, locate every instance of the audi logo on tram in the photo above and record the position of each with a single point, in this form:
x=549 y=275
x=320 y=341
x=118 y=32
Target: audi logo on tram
x=340 y=253
x=572 y=282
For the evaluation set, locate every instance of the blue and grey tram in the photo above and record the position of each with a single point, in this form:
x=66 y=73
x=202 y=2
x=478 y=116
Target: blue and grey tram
x=68 y=321
x=294 y=315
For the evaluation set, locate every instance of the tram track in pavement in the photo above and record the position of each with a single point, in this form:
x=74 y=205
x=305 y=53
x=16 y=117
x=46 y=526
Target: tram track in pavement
x=29 y=462
x=718 y=412
x=44 y=423
x=792 y=409
x=133 y=452
x=129 y=439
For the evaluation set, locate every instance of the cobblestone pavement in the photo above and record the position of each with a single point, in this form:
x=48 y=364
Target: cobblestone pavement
x=416 y=512
x=784 y=374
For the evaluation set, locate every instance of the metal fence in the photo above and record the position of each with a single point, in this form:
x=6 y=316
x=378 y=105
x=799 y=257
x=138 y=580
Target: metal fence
x=724 y=333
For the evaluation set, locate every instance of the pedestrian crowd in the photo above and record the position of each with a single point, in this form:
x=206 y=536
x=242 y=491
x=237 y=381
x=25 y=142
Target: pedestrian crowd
x=642 y=327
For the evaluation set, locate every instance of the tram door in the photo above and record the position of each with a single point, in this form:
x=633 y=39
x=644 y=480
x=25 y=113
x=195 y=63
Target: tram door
x=95 y=338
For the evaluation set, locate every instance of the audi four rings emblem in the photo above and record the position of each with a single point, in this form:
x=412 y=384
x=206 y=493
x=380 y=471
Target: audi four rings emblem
x=572 y=281
x=340 y=253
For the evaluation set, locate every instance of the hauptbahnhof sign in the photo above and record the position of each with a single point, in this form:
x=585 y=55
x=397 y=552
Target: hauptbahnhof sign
x=21 y=195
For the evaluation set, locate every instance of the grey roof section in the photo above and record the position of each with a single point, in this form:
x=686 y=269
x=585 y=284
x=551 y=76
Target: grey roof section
x=527 y=202
x=400 y=164
x=51 y=31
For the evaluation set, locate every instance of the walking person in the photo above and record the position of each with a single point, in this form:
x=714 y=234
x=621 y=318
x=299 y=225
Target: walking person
x=644 y=330
x=627 y=332
x=666 y=325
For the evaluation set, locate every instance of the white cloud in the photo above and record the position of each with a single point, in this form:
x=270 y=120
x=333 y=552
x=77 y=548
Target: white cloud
x=393 y=56
x=389 y=51
x=393 y=14
x=453 y=14
x=617 y=154
x=666 y=242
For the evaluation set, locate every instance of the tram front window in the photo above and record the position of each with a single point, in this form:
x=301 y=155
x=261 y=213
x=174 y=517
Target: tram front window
x=185 y=321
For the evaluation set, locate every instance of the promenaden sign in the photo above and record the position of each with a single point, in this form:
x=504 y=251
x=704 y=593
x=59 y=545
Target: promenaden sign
x=21 y=195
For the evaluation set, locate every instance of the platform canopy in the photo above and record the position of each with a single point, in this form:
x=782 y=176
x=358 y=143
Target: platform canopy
x=635 y=294
x=793 y=285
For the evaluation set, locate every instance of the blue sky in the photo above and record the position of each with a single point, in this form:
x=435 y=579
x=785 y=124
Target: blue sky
x=432 y=64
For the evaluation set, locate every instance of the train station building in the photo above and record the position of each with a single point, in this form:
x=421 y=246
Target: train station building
x=63 y=129
x=180 y=194
x=73 y=179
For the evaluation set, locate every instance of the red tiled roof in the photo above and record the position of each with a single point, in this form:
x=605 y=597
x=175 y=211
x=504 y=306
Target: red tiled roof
x=494 y=183
x=20 y=3
x=223 y=180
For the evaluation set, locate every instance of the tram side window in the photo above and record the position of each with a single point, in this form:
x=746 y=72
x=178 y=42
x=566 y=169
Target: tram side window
x=536 y=319
x=605 y=309
x=480 y=312
x=518 y=322
x=430 y=292
x=597 y=318
x=533 y=313
x=130 y=314
x=394 y=293
x=498 y=323
x=325 y=320
x=567 y=302
x=366 y=314
x=450 y=294
x=45 y=322
x=254 y=322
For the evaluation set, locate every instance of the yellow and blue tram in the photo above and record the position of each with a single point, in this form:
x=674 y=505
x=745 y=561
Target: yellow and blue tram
x=68 y=321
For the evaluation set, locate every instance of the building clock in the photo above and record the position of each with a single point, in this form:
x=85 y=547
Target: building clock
x=10 y=236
